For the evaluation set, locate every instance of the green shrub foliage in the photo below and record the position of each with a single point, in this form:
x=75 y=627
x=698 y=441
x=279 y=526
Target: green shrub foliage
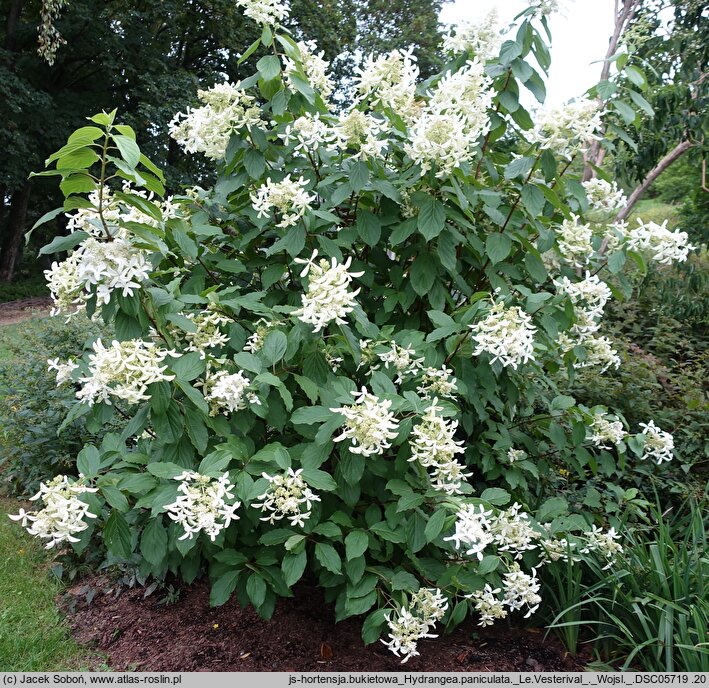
x=342 y=360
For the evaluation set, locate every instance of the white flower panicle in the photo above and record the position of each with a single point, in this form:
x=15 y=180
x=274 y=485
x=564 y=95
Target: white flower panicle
x=567 y=129
x=124 y=370
x=427 y=607
x=590 y=295
x=513 y=532
x=488 y=605
x=482 y=38
x=369 y=424
x=203 y=505
x=105 y=266
x=659 y=243
x=507 y=334
x=62 y=515
x=266 y=12
x=389 y=81
x=285 y=497
x=227 y=393
x=207 y=129
x=438 y=382
x=604 y=196
x=328 y=298
x=64 y=370
x=255 y=341
x=310 y=132
x=599 y=352
x=287 y=197
x=472 y=530
x=360 y=134
x=207 y=335
x=521 y=589
x=434 y=446
x=558 y=550
x=659 y=444
x=606 y=430
x=606 y=544
x=403 y=360
x=314 y=67
x=574 y=241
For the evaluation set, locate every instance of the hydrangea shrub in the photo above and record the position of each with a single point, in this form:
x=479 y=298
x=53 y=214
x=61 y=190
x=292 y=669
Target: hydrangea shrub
x=343 y=360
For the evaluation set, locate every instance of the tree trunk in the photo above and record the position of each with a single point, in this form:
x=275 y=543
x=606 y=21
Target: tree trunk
x=13 y=17
x=678 y=151
x=13 y=232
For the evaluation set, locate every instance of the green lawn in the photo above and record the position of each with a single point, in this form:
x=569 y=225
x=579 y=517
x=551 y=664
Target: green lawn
x=33 y=636
x=652 y=210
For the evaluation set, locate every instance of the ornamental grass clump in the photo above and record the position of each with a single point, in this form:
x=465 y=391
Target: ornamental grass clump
x=340 y=363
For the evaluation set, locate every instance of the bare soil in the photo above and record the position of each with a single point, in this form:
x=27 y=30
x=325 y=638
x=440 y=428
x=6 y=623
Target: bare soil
x=17 y=311
x=139 y=633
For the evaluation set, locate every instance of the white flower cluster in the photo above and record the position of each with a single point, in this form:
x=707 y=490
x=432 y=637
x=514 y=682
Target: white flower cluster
x=285 y=497
x=437 y=382
x=314 y=68
x=203 y=505
x=368 y=423
x=403 y=361
x=574 y=241
x=124 y=370
x=64 y=370
x=62 y=515
x=361 y=134
x=434 y=446
x=567 y=129
x=659 y=243
x=103 y=265
x=659 y=444
x=520 y=589
x=389 y=81
x=447 y=130
x=255 y=341
x=288 y=197
x=472 y=530
x=513 y=532
x=427 y=607
x=514 y=455
x=207 y=129
x=266 y=12
x=589 y=296
x=207 y=335
x=228 y=393
x=328 y=297
x=310 y=132
x=606 y=544
x=606 y=430
x=604 y=196
x=505 y=333
x=482 y=38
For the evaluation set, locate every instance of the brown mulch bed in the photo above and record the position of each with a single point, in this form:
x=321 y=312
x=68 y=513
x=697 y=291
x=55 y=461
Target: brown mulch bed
x=138 y=633
x=23 y=309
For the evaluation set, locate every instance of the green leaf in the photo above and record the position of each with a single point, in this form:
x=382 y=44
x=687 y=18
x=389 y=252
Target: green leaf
x=533 y=199
x=328 y=557
x=616 y=261
x=356 y=544
x=498 y=247
x=562 y=402
x=359 y=175
x=373 y=625
x=115 y=498
x=274 y=347
x=153 y=542
x=128 y=148
x=636 y=76
x=642 y=103
x=116 y=535
x=269 y=67
x=496 y=496
x=293 y=566
x=431 y=218
x=488 y=564
x=222 y=588
x=423 y=273
x=369 y=227
x=403 y=580
x=256 y=589
x=625 y=110
x=551 y=508
x=215 y=464
x=307 y=415
x=165 y=469
x=63 y=243
x=254 y=162
x=435 y=525
x=188 y=366
x=519 y=167
x=194 y=395
x=88 y=461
